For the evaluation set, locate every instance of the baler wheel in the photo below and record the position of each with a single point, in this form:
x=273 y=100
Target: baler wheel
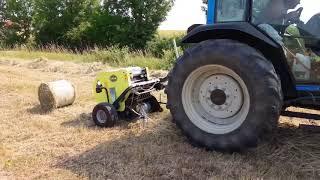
x=105 y=115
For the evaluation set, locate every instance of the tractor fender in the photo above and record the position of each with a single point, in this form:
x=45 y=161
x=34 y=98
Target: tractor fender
x=241 y=31
x=248 y=34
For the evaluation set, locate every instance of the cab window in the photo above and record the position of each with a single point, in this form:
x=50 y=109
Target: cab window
x=231 y=10
x=295 y=25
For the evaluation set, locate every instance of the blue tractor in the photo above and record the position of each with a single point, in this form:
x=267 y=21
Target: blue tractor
x=252 y=60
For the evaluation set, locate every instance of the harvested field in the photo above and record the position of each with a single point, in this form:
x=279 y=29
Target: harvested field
x=65 y=144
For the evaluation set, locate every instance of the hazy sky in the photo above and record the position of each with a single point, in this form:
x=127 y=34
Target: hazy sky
x=188 y=12
x=184 y=14
x=311 y=7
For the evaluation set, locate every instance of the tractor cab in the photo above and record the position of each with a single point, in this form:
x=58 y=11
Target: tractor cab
x=293 y=24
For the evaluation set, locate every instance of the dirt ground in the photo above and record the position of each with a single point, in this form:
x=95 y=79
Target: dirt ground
x=65 y=144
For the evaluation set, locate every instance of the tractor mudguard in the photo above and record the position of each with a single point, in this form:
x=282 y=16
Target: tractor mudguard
x=227 y=31
x=246 y=33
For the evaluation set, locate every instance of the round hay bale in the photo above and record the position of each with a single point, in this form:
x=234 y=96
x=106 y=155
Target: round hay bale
x=56 y=94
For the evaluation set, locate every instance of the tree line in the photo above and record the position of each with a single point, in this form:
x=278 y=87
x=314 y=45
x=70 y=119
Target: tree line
x=79 y=24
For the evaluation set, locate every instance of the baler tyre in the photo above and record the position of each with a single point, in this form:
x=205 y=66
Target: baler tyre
x=104 y=115
x=224 y=95
x=155 y=105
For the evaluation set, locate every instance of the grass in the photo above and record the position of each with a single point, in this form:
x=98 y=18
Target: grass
x=115 y=57
x=151 y=62
x=170 y=33
x=30 y=55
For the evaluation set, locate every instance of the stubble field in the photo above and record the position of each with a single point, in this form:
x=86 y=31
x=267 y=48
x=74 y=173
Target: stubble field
x=65 y=144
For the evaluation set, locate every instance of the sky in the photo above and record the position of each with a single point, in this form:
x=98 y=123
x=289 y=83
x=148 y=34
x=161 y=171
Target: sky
x=183 y=15
x=188 y=12
x=311 y=7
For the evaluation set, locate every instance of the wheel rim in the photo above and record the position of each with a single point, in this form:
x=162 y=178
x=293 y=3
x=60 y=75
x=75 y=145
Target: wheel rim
x=215 y=99
x=102 y=117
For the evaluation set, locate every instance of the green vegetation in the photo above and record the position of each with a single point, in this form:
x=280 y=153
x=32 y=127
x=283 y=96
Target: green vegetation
x=118 y=33
x=81 y=24
x=316 y=58
x=15 y=22
x=122 y=57
x=22 y=54
x=170 y=33
x=162 y=44
x=115 y=56
x=158 y=54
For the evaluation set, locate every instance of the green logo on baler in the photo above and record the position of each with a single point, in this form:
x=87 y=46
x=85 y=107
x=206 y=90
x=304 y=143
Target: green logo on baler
x=113 y=78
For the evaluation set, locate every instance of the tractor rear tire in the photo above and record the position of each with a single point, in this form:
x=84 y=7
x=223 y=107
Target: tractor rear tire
x=224 y=95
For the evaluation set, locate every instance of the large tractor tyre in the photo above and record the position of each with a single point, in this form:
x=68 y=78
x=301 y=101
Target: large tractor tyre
x=224 y=95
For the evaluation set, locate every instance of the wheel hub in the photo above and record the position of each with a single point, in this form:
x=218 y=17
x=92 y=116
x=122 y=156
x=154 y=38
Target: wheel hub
x=220 y=96
x=216 y=99
x=102 y=116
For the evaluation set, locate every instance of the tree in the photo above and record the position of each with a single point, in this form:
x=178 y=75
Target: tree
x=2 y=6
x=54 y=19
x=129 y=23
x=78 y=24
x=145 y=19
x=15 y=21
x=205 y=6
x=2 y=21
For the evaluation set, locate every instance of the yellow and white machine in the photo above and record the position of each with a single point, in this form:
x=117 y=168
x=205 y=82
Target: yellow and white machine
x=124 y=92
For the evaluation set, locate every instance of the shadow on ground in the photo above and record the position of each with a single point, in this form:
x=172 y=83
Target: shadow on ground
x=83 y=120
x=37 y=110
x=161 y=152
